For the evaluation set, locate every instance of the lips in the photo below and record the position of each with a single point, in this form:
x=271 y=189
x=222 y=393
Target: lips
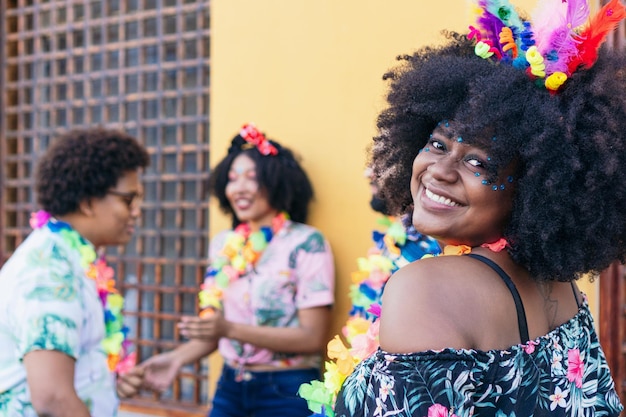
x=242 y=203
x=439 y=199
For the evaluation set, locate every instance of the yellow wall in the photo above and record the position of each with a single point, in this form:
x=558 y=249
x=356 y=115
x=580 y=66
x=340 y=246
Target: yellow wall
x=308 y=73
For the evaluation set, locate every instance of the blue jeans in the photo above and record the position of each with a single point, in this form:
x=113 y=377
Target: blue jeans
x=262 y=394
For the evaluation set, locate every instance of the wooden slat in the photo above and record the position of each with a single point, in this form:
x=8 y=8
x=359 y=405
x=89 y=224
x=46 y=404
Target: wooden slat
x=612 y=323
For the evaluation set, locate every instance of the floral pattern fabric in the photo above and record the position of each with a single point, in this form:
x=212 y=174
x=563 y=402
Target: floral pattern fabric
x=296 y=271
x=48 y=303
x=563 y=373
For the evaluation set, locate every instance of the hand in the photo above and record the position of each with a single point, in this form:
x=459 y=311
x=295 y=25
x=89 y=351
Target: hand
x=160 y=371
x=210 y=327
x=129 y=383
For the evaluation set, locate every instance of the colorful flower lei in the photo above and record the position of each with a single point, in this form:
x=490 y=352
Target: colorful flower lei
x=562 y=39
x=388 y=254
x=240 y=253
x=115 y=343
x=362 y=327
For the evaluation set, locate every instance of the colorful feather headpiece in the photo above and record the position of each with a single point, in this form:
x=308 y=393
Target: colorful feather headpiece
x=561 y=39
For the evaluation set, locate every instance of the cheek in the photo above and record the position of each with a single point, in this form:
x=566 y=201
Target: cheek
x=419 y=166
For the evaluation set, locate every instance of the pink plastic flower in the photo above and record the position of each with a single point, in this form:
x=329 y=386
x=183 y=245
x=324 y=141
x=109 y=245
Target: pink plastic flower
x=39 y=218
x=374 y=309
x=364 y=345
x=575 y=367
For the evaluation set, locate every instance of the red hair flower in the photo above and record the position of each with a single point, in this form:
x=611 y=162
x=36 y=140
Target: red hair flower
x=254 y=137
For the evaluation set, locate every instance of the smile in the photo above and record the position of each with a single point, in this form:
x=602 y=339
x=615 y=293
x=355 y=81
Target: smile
x=440 y=199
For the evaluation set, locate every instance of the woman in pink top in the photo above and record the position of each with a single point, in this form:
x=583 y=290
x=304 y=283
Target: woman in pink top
x=268 y=289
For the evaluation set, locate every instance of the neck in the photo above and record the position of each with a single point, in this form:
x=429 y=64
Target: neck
x=76 y=221
x=266 y=221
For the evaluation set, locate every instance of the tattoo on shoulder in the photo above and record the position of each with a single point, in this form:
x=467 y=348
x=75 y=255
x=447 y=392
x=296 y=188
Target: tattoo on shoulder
x=550 y=304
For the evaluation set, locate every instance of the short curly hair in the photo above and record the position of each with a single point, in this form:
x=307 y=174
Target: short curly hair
x=85 y=163
x=568 y=214
x=283 y=179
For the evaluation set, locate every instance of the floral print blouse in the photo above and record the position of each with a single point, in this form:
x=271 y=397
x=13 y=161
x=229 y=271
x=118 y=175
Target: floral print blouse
x=563 y=373
x=296 y=271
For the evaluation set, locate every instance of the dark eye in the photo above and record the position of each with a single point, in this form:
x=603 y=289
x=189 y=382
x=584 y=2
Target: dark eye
x=436 y=144
x=475 y=162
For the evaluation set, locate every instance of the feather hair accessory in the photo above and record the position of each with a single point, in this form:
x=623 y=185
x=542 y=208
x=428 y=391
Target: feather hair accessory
x=561 y=39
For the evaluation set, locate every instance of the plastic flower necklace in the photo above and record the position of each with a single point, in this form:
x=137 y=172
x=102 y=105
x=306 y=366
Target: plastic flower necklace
x=361 y=332
x=115 y=343
x=241 y=252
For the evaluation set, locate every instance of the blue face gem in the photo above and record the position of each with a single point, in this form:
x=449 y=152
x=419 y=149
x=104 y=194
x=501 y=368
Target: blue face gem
x=460 y=139
x=447 y=124
x=488 y=158
x=426 y=149
x=477 y=174
x=494 y=138
x=485 y=182
x=509 y=178
x=494 y=187
x=502 y=187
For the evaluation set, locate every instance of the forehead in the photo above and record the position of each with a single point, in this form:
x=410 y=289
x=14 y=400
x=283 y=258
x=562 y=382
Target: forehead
x=243 y=163
x=128 y=181
x=482 y=141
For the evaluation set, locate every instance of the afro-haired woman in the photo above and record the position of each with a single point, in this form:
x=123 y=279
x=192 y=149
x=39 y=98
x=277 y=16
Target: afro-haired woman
x=268 y=288
x=526 y=181
x=60 y=322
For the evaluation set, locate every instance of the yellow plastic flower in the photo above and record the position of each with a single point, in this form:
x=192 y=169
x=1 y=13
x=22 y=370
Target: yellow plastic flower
x=456 y=249
x=333 y=379
x=338 y=351
x=354 y=326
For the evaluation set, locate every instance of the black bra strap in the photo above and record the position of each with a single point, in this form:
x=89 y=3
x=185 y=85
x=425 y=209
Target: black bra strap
x=575 y=294
x=519 y=306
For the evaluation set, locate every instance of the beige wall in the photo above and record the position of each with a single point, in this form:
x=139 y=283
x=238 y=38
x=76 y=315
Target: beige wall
x=308 y=73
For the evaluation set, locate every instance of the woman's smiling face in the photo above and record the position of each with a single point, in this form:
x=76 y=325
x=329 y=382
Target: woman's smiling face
x=247 y=199
x=454 y=201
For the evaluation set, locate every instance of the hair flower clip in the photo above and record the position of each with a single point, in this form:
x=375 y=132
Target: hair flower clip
x=562 y=39
x=254 y=137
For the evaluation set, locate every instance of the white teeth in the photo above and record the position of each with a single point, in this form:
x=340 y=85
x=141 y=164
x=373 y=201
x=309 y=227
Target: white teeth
x=440 y=199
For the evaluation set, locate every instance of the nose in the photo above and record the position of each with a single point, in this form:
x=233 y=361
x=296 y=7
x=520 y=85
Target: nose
x=445 y=168
x=242 y=184
x=135 y=208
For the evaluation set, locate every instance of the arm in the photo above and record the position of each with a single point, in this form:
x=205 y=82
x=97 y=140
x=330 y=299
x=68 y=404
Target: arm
x=312 y=261
x=50 y=377
x=129 y=383
x=309 y=337
x=160 y=370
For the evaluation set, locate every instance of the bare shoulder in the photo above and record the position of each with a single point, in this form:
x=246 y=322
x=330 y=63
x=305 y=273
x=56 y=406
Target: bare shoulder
x=435 y=303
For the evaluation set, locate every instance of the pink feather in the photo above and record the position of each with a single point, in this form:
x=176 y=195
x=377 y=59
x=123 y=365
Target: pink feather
x=554 y=22
x=548 y=17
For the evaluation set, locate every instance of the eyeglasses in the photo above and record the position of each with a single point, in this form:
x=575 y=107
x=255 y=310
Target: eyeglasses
x=130 y=199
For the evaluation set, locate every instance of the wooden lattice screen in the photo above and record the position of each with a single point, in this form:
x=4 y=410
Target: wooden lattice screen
x=138 y=65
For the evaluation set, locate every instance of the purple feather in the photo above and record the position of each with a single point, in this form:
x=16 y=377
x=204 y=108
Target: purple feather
x=563 y=46
x=577 y=12
x=491 y=27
